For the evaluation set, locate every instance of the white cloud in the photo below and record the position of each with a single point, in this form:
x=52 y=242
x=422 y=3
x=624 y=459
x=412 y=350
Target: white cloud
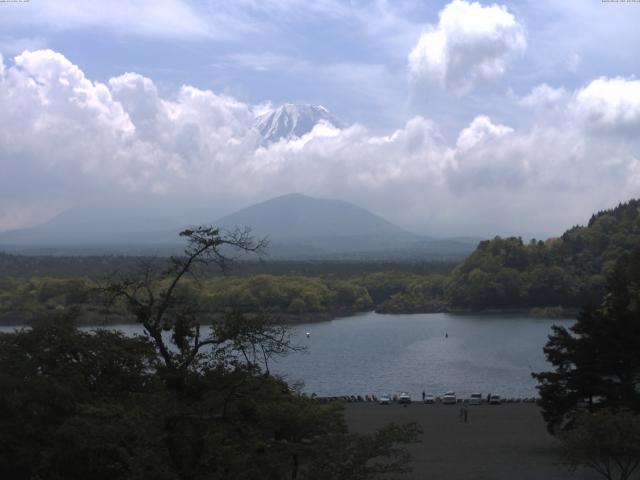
x=487 y=155
x=610 y=104
x=65 y=136
x=481 y=131
x=471 y=44
x=543 y=96
x=51 y=113
x=603 y=108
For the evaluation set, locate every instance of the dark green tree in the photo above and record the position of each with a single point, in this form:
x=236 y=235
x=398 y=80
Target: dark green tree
x=606 y=442
x=597 y=361
x=73 y=404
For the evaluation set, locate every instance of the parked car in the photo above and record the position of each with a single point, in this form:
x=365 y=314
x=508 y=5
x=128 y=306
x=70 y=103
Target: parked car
x=475 y=399
x=428 y=398
x=384 y=400
x=495 y=400
x=449 y=398
x=404 y=397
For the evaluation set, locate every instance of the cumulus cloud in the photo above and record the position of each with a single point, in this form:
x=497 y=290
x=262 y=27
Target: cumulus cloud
x=480 y=158
x=55 y=119
x=66 y=136
x=481 y=131
x=605 y=106
x=611 y=104
x=470 y=44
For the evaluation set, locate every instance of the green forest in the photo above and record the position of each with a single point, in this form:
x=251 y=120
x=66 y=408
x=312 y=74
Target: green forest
x=504 y=273
x=289 y=297
x=568 y=271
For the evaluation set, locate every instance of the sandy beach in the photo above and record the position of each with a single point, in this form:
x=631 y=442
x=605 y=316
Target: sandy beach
x=507 y=441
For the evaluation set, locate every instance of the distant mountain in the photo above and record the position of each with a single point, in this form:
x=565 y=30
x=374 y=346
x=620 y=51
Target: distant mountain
x=92 y=227
x=299 y=228
x=297 y=216
x=290 y=120
x=302 y=227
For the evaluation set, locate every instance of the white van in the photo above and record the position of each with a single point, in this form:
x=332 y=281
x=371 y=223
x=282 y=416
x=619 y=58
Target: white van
x=404 y=397
x=475 y=399
x=449 y=398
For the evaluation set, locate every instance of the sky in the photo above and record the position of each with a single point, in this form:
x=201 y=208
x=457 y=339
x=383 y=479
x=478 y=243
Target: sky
x=457 y=118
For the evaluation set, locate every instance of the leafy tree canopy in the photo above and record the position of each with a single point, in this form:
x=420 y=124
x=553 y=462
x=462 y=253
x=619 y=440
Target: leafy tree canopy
x=597 y=361
x=569 y=271
x=606 y=442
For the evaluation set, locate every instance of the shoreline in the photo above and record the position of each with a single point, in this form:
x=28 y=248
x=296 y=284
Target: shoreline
x=91 y=319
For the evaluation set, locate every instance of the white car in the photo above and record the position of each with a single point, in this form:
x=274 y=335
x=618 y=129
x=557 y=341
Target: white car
x=449 y=398
x=495 y=400
x=475 y=399
x=384 y=400
x=404 y=397
x=428 y=398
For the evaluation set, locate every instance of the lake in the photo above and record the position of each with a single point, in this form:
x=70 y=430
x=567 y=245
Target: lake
x=373 y=353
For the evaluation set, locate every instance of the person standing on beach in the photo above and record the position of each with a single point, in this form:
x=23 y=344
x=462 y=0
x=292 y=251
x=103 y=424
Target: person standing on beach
x=423 y=395
x=466 y=413
x=461 y=413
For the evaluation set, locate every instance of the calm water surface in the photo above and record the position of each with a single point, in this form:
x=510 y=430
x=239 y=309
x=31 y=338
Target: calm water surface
x=373 y=353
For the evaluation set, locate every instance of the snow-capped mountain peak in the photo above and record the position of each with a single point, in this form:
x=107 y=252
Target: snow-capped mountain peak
x=292 y=120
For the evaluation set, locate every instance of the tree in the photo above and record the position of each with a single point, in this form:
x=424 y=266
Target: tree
x=597 y=361
x=360 y=457
x=160 y=305
x=607 y=442
x=223 y=415
x=70 y=404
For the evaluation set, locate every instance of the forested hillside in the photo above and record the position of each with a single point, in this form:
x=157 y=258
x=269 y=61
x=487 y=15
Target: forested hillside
x=569 y=271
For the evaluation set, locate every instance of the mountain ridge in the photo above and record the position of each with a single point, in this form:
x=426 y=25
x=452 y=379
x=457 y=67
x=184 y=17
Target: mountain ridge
x=296 y=215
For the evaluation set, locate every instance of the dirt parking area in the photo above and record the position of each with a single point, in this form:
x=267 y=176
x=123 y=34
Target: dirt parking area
x=507 y=441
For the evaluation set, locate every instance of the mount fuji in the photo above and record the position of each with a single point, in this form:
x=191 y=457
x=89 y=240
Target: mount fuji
x=292 y=120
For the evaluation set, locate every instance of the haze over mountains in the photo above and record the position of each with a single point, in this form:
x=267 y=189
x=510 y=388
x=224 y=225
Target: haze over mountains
x=298 y=227
x=93 y=229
